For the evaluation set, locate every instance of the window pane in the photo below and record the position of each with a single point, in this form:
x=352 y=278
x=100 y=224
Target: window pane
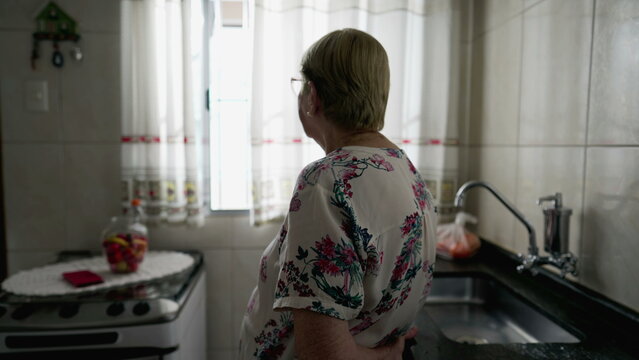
x=234 y=161
x=230 y=133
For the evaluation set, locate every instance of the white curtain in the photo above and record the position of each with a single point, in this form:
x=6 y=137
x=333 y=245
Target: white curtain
x=163 y=110
x=423 y=42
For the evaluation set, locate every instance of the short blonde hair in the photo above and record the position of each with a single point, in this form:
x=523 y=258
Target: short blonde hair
x=350 y=71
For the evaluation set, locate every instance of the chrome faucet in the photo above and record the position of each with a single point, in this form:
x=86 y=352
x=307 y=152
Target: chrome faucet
x=556 y=231
x=556 y=235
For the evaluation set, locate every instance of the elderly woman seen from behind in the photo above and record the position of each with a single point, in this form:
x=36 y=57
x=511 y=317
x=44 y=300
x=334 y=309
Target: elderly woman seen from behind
x=353 y=262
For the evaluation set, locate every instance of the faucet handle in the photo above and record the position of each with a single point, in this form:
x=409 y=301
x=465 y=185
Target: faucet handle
x=527 y=262
x=556 y=199
x=568 y=263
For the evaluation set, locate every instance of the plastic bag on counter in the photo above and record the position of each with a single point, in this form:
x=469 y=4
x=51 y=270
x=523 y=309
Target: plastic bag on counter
x=454 y=241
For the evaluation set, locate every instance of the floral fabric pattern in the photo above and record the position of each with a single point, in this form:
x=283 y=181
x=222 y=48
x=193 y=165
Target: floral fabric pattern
x=271 y=339
x=357 y=245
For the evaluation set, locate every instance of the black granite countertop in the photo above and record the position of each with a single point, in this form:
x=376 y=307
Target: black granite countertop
x=607 y=330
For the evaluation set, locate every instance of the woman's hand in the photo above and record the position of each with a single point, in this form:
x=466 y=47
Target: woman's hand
x=395 y=350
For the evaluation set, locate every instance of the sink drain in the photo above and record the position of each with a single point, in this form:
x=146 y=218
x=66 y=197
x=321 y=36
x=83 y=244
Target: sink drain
x=473 y=340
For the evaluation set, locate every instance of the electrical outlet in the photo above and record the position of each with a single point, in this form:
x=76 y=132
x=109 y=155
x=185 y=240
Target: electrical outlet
x=36 y=95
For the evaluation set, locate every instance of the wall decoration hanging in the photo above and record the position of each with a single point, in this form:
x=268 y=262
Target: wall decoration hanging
x=53 y=24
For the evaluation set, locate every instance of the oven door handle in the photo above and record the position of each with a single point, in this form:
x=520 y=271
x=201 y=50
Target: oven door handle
x=131 y=353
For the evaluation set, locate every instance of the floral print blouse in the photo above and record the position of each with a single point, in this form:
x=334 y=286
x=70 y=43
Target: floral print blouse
x=358 y=244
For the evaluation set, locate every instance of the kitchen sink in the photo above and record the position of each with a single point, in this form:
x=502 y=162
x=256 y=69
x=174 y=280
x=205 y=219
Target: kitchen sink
x=480 y=310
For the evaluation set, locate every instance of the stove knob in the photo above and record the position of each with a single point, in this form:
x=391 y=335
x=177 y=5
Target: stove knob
x=22 y=312
x=69 y=310
x=115 y=309
x=141 y=308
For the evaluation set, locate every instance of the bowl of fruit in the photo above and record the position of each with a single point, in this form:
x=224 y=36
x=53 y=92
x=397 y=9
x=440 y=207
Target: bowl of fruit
x=125 y=241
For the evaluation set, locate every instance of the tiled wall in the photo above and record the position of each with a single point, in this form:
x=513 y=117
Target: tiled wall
x=61 y=167
x=554 y=108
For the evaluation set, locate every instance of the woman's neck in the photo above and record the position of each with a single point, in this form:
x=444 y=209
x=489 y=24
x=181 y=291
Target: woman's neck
x=339 y=138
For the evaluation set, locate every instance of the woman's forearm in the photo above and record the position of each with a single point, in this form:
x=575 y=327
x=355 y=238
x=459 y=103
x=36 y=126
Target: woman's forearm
x=320 y=337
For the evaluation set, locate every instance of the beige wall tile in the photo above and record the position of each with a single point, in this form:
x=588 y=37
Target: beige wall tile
x=220 y=231
x=34 y=196
x=614 y=108
x=92 y=15
x=219 y=269
x=545 y=171
x=91 y=192
x=217 y=233
x=246 y=236
x=610 y=249
x=530 y=3
x=19 y=14
x=498 y=167
x=91 y=91
x=555 y=67
x=18 y=123
x=172 y=237
x=24 y=260
x=215 y=354
x=489 y=14
x=494 y=106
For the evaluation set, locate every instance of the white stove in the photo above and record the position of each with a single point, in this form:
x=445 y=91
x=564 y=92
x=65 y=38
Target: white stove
x=161 y=319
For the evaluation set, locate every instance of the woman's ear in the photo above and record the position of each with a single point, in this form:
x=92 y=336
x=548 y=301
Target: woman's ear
x=314 y=103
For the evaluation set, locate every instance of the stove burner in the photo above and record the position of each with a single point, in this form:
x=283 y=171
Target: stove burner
x=23 y=312
x=69 y=310
x=141 y=308
x=115 y=309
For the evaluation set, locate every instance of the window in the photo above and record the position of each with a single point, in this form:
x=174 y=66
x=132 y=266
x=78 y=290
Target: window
x=229 y=94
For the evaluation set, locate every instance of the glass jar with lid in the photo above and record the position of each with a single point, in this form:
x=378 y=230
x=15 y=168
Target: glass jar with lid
x=125 y=240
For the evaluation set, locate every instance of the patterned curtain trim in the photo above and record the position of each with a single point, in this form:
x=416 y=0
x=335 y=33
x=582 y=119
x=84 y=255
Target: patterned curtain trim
x=443 y=190
x=162 y=201
x=260 y=141
x=427 y=141
x=414 y=141
x=148 y=139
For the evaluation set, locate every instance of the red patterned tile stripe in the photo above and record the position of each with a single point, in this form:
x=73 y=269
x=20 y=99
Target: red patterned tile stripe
x=403 y=141
x=149 y=139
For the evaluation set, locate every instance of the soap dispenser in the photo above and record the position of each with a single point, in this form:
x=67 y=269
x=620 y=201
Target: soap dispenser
x=556 y=225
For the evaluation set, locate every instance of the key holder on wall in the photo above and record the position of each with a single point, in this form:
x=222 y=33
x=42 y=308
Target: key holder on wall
x=57 y=26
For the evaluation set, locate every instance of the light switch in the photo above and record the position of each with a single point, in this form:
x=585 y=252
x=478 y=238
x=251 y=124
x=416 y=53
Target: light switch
x=36 y=95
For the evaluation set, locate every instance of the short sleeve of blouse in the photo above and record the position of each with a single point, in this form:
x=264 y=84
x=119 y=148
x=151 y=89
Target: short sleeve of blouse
x=319 y=267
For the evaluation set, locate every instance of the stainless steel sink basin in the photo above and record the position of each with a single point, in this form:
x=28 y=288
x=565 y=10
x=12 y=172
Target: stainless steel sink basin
x=480 y=310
